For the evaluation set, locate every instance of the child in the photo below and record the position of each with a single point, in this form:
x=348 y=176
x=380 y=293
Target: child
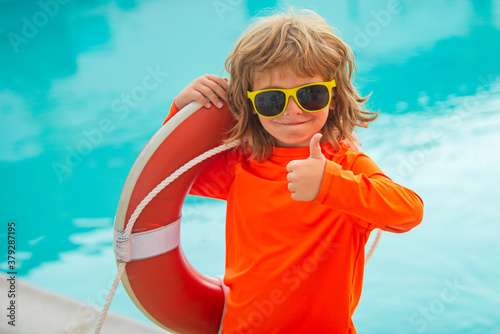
x=301 y=199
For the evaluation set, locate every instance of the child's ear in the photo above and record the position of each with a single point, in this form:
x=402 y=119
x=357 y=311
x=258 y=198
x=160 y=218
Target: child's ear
x=335 y=99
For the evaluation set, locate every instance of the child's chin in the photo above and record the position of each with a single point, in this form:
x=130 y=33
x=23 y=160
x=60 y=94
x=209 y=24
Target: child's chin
x=292 y=143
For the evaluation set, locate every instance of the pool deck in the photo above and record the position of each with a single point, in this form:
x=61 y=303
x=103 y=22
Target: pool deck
x=44 y=312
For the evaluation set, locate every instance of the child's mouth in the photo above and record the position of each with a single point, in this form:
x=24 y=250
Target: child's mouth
x=293 y=123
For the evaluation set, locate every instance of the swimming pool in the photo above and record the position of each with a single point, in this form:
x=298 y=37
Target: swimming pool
x=75 y=112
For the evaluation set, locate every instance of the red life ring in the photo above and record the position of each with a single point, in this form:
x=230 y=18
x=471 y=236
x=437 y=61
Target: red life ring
x=166 y=288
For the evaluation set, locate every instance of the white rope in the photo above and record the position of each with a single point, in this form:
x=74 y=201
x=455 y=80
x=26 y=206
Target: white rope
x=142 y=205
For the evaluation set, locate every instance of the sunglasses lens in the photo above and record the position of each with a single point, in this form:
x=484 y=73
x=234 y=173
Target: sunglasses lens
x=270 y=103
x=313 y=98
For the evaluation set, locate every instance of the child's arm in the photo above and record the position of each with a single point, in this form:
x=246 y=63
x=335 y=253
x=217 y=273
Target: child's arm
x=370 y=197
x=362 y=191
x=215 y=180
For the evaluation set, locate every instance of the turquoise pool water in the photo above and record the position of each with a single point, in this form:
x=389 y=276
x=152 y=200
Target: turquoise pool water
x=85 y=84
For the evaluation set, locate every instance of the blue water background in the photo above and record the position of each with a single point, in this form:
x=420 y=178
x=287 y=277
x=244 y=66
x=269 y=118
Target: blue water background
x=74 y=115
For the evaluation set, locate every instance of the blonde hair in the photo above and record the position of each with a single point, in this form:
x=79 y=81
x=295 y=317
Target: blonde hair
x=304 y=43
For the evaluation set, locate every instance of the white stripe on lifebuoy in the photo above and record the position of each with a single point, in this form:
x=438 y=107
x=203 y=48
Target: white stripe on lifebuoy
x=144 y=245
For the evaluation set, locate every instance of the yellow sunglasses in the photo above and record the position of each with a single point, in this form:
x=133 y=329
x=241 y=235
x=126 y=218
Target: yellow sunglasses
x=273 y=102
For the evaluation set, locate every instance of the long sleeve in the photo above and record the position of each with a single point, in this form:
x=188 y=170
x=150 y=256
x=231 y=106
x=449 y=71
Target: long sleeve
x=171 y=113
x=369 y=196
x=216 y=179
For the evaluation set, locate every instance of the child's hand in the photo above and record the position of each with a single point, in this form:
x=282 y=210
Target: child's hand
x=305 y=176
x=206 y=89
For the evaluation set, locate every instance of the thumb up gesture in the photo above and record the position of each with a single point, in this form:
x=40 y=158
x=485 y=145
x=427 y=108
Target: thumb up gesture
x=305 y=176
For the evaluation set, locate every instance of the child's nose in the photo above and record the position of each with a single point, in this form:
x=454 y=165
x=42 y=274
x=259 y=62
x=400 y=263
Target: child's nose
x=293 y=108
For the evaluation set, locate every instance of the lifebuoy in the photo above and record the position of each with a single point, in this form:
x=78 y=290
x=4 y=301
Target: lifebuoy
x=165 y=287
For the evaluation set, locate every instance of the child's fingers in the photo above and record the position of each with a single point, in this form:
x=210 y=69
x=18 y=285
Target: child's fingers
x=206 y=89
x=290 y=165
x=210 y=95
x=222 y=82
x=215 y=88
x=197 y=96
x=315 y=147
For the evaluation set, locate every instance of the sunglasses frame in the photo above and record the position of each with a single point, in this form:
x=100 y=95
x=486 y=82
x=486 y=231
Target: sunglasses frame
x=292 y=92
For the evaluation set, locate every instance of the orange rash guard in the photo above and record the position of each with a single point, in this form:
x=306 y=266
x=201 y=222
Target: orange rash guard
x=297 y=267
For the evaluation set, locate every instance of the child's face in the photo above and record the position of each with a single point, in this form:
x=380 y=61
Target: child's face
x=294 y=127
